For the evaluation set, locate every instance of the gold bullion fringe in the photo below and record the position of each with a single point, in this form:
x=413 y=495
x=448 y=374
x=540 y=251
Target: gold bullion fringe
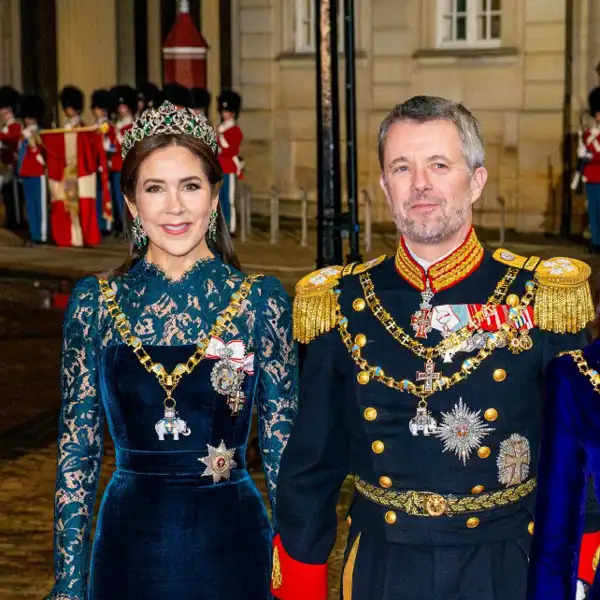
x=276 y=577
x=314 y=313
x=563 y=309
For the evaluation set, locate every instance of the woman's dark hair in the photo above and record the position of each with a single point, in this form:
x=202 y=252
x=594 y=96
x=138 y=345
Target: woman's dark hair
x=223 y=245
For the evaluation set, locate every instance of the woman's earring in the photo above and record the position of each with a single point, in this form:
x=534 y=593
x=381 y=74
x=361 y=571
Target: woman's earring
x=212 y=226
x=138 y=236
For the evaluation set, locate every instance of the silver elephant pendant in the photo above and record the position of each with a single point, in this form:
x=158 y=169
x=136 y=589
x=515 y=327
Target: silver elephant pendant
x=171 y=424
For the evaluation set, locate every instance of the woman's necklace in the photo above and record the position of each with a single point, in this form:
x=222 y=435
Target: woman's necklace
x=171 y=424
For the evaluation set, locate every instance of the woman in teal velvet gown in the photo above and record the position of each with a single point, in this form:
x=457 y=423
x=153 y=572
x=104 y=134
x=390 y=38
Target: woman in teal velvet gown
x=173 y=350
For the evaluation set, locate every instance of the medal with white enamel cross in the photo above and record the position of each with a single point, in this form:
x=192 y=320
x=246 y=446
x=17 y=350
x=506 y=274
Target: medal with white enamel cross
x=219 y=462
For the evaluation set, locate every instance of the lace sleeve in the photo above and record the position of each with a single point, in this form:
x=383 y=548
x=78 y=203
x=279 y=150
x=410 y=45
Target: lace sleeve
x=80 y=444
x=278 y=363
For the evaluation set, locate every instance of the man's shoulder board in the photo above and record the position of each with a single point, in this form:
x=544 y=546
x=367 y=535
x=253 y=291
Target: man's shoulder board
x=510 y=259
x=316 y=302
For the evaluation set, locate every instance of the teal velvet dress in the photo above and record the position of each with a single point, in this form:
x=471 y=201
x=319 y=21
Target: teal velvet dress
x=181 y=516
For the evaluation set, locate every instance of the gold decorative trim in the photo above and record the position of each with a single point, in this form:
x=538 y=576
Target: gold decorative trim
x=596 y=559
x=563 y=302
x=584 y=368
x=445 y=273
x=276 y=576
x=348 y=576
x=316 y=301
x=430 y=504
x=508 y=258
x=532 y=263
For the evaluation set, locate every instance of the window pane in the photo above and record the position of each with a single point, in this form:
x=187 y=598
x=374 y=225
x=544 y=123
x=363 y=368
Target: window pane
x=461 y=28
x=461 y=5
x=483 y=5
x=447 y=33
x=496 y=4
x=496 y=32
x=482 y=28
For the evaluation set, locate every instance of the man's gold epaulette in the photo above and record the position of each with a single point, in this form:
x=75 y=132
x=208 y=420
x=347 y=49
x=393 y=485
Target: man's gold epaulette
x=316 y=303
x=563 y=300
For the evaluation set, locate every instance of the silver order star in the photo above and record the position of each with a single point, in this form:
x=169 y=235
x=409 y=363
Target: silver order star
x=219 y=462
x=462 y=430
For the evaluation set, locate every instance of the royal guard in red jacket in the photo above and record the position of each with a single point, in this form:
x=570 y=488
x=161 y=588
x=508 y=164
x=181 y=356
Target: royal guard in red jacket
x=229 y=137
x=589 y=153
x=72 y=101
x=32 y=170
x=102 y=103
x=10 y=134
x=126 y=102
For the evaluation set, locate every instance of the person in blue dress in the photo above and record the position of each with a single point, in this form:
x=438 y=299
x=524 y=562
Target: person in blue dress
x=570 y=455
x=173 y=350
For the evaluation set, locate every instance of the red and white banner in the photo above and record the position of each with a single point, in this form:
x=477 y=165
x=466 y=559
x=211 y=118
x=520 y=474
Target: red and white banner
x=72 y=160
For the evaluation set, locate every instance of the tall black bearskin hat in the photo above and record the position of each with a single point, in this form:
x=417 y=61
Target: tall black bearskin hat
x=177 y=94
x=230 y=100
x=32 y=107
x=125 y=94
x=200 y=98
x=71 y=97
x=150 y=95
x=9 y=97
x=102 y=99
x=594 y=101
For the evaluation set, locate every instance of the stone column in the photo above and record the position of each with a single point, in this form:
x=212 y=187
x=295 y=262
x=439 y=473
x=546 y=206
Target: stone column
x=154 y=43
x=125 y=42
x=86 y=45
x=210 y=30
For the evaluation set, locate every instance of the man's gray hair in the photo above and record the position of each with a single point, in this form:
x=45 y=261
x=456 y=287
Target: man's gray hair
x=422 y=109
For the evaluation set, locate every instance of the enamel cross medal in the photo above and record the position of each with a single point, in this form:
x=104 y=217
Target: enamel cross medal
x=421 y=320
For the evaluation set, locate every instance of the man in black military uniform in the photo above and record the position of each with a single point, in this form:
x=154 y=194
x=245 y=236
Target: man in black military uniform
x=424 y=379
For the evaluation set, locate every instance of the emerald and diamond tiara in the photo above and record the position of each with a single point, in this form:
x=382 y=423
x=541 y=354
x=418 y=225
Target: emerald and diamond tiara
x=168 y=119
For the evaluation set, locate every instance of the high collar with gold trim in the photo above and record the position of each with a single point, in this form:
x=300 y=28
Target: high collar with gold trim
x=443 y=274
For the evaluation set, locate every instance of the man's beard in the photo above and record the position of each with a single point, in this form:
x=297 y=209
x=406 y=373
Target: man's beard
x=430 y=229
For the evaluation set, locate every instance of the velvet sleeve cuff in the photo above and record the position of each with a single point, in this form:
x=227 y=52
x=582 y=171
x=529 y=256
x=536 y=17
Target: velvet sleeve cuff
x=590 y=545
x=294 y=580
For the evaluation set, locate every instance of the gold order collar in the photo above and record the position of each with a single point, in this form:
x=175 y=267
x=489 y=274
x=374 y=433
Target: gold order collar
x=584 y=368
x=445 y=273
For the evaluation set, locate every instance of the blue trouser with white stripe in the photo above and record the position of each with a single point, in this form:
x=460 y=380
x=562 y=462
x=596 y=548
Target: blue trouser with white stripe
x=35 y=190
x=104 y=224
x=227 y=200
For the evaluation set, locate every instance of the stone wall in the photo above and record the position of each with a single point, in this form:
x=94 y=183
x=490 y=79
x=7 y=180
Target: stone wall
x=516 y=92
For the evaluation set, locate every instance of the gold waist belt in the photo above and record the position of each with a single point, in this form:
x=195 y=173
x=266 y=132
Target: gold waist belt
x=429 y=504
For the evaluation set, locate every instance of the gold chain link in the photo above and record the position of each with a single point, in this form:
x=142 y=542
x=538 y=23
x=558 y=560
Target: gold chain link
x=169 y=381
x=506 y=334
x=584 y=368
x=452 y=341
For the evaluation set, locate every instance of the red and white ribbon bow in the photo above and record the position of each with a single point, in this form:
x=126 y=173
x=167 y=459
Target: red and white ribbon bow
x=234 y=351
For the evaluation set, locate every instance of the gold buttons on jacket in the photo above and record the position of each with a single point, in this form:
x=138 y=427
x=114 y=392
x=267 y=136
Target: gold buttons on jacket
x=390 y=517
x=363 y=378
x=385 y=482
x=491 y=414
x=359 y=304
x=513 y=300
x=477 y=489
x=378 y=447
x=499 y=375
x=361 y=340
x=531 y=528
x=370 y=414
x=483 y=452
x=472 y=522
